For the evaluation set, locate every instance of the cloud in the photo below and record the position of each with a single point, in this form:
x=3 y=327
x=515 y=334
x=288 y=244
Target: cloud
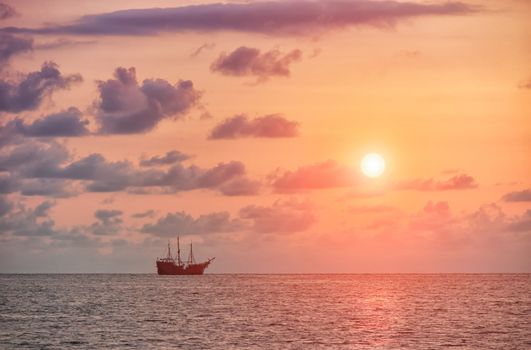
x=205 y=46
x=31 y=90
x=169 y=158
x=268 y=126
x=145 y=214
x=327 y=174
x=241 y=186
x=126 y=107
x=7 y=11
x=108 y=222
x=8 y=184
x=457 y=182
x=518 y=196
x=22 y=221
x=50 y=160
x=33 y=159
x=297 y=17
x=433 y=216
x=521 y=223
x=11 y=45
x=45 y=187
x=281 y=217
x=62 y=42
x=5 y=206
x=184 y=224
x=66 y=123
x=246 y=61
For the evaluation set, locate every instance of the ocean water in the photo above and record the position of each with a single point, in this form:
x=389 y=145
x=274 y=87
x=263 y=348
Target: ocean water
x=467 y=311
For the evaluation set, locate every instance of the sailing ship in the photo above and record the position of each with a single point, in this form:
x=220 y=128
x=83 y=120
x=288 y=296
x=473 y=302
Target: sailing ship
x=169 y=266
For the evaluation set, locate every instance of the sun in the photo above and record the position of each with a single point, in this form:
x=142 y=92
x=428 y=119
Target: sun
x=372 y=165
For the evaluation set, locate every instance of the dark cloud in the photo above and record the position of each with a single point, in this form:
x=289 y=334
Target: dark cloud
x=61 y=43
x=9 y=134
x=33 y=159
x=282 y=217
x=49 y=160
x=45 y=187
x=8 y=184
x=297 y=17
x=103 y=176
x=145 y=214
x=108 y=222
x=5 y=206
x=169 y=158
x=7 y=11
x=205 y=46
x=246 y=61
x=220 y=174
x=184 y=224
x=518 y=196
x=241 y=186
x=125 y=107
x=268 y=126
x=457 y=182
x=22 y=221
x=11 y=45
x=328 y=174
x=29 y=92
x=65 y=123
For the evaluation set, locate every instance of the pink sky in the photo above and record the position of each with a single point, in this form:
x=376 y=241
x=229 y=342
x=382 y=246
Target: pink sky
x=241 y=127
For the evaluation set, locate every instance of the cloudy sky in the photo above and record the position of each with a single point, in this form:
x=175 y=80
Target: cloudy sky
x=241 y=127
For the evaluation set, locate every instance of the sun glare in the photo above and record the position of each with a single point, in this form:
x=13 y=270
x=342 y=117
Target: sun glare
x=372 y=165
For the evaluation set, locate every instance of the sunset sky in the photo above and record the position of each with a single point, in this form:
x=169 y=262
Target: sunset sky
x=241 y=126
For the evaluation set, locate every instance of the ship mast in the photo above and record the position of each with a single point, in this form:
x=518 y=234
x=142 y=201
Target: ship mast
x=191 y=259
x=178 y=252
x=169 y=251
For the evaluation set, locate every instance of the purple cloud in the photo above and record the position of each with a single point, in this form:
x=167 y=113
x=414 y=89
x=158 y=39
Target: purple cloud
x=205 y=46
x=22 y=221
x=185 y=224
x=11 y=45
x=145 y=214
x=63 y=124
x=169 y=158
x=7 y=11
x=29 y=92
x=126 y=107
x=518 y=196
x=108 y=222
x=268 y=126
x=241 y=186
x=246 y=61
x=297 y=17
x=33 y=160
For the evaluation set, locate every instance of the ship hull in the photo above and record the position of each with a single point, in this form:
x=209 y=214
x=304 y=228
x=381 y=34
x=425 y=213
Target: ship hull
x=170 y=268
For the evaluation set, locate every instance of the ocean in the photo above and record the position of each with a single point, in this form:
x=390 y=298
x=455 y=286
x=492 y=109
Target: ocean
x=359 y=311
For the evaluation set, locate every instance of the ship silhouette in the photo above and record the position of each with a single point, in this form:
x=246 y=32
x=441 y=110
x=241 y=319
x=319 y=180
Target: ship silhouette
x=169 y=266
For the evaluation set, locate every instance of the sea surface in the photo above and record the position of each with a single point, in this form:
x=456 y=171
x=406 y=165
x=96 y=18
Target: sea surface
x=146 y=311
